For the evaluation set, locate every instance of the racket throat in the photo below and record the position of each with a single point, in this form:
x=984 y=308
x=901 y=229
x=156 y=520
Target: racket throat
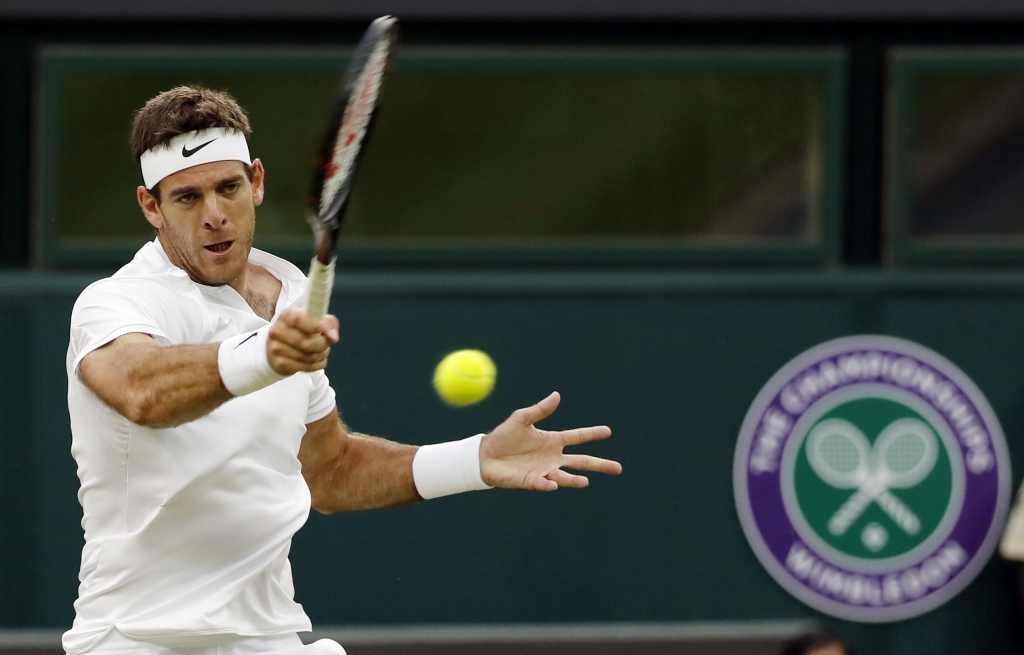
x=326 y=245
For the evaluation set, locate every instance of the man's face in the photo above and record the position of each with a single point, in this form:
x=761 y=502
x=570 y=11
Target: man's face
x=206 y=218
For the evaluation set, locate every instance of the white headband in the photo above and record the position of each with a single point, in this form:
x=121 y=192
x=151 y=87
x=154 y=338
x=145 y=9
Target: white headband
x=192 y=149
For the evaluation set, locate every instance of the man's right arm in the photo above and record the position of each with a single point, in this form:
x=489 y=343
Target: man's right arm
x=163 y=386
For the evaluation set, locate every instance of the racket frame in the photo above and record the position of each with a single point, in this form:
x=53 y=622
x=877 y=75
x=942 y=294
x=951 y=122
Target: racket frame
x=355 y=105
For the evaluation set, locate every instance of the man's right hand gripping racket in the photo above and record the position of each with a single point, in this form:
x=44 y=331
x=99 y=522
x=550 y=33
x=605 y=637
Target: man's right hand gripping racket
x=351 y=116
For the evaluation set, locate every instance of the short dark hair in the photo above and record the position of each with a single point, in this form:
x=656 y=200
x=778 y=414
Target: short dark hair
x=181 y=110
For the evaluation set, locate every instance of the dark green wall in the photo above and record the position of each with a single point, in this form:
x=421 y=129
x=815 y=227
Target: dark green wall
x=670 y=361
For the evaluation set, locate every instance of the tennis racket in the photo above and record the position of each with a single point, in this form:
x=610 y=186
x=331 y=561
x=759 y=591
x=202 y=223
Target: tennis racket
x=351 y=116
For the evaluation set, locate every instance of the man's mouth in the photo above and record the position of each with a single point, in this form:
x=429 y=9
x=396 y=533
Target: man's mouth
x=221 y=247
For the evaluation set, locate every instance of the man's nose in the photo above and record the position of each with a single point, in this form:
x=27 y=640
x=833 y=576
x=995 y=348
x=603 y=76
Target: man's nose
x=213 y=216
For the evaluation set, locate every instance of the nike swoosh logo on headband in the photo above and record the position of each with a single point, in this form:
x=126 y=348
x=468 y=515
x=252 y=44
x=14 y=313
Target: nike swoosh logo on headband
x=185 y=152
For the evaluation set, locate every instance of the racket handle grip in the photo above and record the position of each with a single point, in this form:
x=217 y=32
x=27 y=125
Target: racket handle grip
x=318 y=293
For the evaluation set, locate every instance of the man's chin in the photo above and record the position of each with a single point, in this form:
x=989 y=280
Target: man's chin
x=216 y=266
x=218 y=271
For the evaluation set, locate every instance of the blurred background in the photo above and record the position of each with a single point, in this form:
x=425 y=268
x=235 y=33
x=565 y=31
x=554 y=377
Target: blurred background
x=650 y=206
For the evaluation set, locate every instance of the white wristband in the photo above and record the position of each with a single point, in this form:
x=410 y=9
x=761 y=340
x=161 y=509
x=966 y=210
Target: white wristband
x=243 y=363
x=448 y=468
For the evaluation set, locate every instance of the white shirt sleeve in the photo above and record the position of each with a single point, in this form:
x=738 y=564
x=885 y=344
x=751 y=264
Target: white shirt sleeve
x=321 y=398
x=110 y=309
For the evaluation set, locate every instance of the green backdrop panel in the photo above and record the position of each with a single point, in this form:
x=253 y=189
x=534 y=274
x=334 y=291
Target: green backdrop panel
x=671 y=369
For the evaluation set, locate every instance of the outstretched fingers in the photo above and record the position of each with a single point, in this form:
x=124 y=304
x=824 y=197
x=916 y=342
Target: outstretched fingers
x=563 y=479
x=540 y=411
x=588 y=463
x=582 y=435
x=543 y=484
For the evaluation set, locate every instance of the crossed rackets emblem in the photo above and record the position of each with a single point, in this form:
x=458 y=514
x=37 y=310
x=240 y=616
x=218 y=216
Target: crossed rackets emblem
x=902 y=457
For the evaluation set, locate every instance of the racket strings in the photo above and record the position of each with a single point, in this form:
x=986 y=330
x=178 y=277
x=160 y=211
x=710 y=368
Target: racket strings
x=353 y=127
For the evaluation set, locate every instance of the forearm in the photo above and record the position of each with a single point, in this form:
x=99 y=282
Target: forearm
x=349 y=471
x=378 y=473
x=156 y=386
x=163 y=386
x=183 y=384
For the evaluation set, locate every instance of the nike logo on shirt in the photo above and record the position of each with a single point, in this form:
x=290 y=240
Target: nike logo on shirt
x=185 y=152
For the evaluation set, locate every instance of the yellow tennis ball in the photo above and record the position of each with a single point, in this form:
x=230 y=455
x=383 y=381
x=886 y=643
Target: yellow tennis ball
x=465 y=377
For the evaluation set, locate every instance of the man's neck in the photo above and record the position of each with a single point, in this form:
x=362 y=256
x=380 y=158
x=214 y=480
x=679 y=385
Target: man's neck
x=260 y=289
x=255 y=284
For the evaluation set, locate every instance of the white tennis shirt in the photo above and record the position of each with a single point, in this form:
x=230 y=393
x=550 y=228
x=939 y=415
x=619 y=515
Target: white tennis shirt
x=187 y=529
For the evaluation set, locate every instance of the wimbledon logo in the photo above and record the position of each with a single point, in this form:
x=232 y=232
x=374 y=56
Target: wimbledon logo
x=871 y=478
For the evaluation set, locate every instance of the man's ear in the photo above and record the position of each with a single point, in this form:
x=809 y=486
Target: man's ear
x=257 y=182
x=150 y=207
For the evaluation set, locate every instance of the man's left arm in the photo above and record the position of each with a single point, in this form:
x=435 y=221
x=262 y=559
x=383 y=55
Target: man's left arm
x=346 y=471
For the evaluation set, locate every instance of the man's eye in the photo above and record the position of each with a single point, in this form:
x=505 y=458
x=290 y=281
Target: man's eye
x=187 y=198
x=231 y=188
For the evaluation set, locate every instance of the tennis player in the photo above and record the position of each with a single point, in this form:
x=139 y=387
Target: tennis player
x=204 y=427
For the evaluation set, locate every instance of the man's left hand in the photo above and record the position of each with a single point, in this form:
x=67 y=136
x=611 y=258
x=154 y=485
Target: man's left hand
x=518 y=455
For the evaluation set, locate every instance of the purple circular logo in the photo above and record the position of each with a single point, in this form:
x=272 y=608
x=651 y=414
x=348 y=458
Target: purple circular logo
x=871 y=478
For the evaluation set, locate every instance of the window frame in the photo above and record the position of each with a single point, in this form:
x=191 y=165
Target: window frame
x=56 y=62
x=906 y=65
